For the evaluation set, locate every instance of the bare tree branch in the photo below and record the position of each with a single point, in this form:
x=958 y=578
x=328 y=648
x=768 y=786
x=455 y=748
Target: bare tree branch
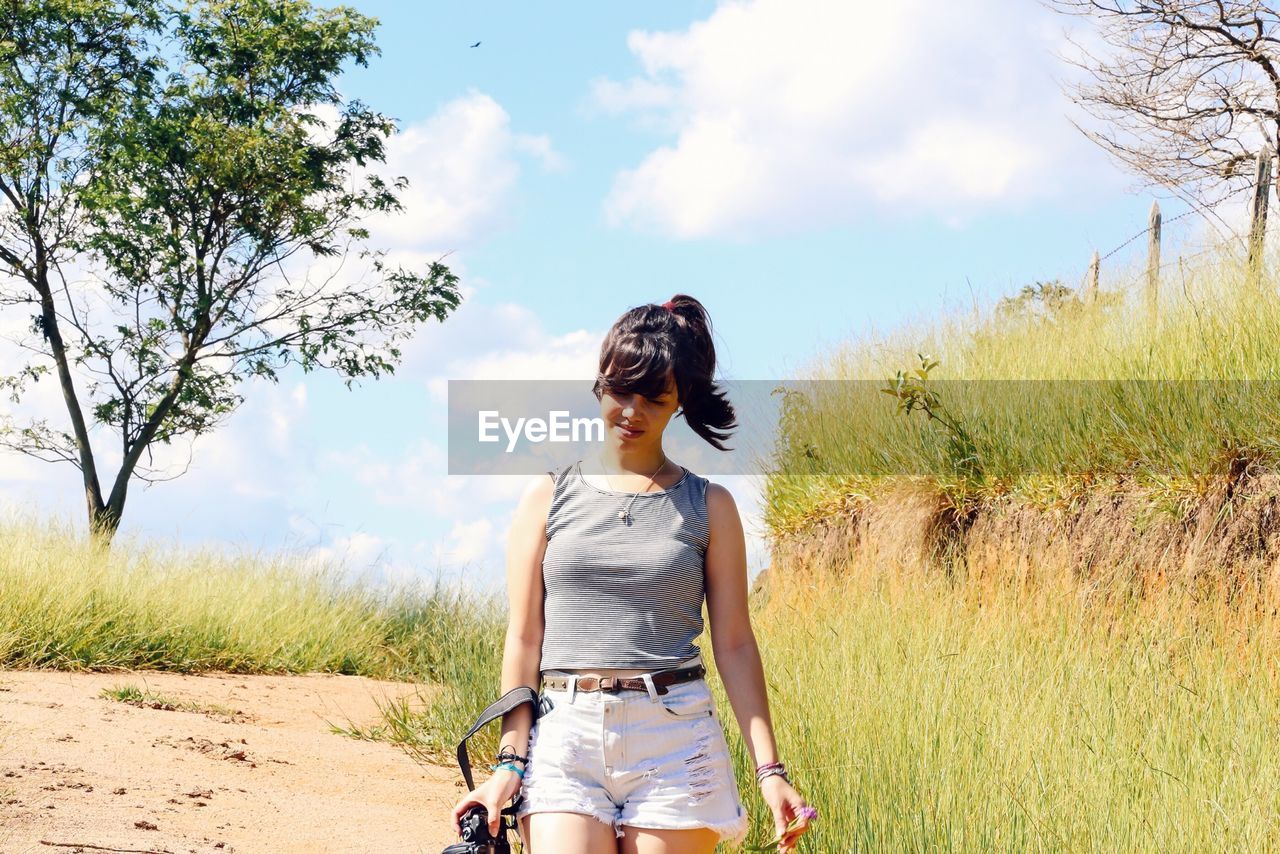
x=1186 y=92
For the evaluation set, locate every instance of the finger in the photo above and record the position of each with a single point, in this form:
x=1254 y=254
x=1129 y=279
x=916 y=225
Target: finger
x=790 y=839
x=456 y=818
x=798 y=829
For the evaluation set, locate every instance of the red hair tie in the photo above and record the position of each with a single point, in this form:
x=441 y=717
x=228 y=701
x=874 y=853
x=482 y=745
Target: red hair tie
x=669 y=305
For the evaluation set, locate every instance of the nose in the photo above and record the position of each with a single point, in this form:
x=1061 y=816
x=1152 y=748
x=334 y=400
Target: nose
x=627 y=403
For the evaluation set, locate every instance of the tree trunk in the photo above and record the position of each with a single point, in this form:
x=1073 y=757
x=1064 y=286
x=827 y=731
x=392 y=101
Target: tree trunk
x=107 y=520
x=49 y=324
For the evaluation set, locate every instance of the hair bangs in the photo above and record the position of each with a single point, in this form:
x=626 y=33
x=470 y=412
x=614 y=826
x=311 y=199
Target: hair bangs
x=635 y=365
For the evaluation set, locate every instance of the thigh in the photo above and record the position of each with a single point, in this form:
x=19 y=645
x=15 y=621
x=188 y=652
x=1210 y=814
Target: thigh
x=567 y=833
x=644 y=840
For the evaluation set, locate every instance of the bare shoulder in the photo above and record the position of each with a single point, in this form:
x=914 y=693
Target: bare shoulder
x=542 y=485
x=722 y=510
x=536 y=497
x=719 y=495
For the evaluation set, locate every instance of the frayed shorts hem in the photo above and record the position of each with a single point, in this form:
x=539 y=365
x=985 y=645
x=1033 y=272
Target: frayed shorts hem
x=733 y=832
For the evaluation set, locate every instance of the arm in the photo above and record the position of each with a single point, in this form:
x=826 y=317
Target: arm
x=737 y=655
x=522 y=650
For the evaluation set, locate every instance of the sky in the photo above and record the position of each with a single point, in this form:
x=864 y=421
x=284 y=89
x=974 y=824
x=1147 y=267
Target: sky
x=813 y=172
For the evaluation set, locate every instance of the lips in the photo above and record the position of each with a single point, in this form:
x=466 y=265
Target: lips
x=629 y=430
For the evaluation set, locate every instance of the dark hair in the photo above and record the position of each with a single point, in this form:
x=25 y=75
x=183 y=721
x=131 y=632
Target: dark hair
x=650 y=340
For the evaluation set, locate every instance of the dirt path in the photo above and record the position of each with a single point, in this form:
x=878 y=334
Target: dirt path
x=81 y=770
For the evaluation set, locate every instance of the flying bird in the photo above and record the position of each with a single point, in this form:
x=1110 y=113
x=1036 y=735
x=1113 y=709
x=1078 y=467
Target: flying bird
x=477 y=44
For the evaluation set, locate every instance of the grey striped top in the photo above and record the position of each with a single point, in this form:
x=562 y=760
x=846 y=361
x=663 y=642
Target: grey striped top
x=623 y=594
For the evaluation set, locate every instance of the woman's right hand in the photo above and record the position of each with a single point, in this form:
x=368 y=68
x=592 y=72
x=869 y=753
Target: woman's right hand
x=493 y=794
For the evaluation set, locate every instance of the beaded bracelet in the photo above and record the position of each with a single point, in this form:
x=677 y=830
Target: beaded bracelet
x=511 y=757
x=509 y=750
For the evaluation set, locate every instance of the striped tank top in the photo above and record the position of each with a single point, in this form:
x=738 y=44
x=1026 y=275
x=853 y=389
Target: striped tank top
x=623 y=594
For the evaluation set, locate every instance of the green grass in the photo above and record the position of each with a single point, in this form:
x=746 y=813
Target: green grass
x=135 y=696
x=148 y=606
x=1050 y=395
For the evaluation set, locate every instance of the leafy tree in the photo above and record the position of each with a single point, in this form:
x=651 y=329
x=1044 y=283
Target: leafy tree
x=185 y=188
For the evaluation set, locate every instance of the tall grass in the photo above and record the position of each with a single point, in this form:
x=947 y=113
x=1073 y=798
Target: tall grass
x=921 y=716
x=1052 y=393
x=1016 y=655
x=65 y=605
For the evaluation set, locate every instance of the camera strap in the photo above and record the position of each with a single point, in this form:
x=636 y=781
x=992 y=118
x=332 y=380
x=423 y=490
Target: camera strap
x=514 y=698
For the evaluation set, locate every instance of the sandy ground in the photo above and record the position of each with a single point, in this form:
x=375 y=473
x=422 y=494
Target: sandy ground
x=83 y=773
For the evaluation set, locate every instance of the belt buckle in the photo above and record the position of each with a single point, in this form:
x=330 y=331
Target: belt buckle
x=609 y=683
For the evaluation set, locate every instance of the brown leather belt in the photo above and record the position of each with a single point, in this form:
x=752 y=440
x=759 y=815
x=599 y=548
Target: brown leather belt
x=661 y=679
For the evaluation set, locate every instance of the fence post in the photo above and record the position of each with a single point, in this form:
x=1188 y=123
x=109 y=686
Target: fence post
x=1258 y=221
x=1153 y=265
x=1091 y=279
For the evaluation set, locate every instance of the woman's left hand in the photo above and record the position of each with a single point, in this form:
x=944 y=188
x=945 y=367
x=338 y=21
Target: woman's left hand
x=786 y=804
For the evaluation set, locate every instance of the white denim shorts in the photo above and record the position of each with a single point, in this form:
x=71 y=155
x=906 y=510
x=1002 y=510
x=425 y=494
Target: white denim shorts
x=633 y=757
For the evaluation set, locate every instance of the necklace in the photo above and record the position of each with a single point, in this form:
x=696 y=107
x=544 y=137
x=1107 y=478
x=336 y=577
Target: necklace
x=625 y=513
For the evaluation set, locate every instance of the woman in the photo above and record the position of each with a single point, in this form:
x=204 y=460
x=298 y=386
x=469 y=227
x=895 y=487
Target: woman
x=606 y=578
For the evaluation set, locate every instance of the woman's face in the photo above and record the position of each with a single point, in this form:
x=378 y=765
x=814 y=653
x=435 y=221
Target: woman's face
x=646 y=417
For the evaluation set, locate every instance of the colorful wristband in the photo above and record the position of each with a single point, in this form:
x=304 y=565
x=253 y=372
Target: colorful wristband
x=771 y=772
x=769 y=769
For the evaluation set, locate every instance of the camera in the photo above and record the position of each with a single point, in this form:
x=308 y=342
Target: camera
x=475 y=838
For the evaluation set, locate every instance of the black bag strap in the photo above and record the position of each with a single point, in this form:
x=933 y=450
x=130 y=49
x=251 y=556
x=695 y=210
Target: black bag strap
x=514 y=698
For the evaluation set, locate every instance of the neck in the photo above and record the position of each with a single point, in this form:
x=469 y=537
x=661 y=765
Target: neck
x=638 y=461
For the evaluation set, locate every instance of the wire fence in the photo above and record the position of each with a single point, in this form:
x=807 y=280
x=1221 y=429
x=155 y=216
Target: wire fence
x=1164 y=222
x=1157 y=263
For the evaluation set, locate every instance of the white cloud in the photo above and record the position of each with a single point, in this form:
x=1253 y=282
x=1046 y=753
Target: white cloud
x=462 y=164
x=470 y=541
x=615 y=96
x=791 y=113
x=504 y=341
